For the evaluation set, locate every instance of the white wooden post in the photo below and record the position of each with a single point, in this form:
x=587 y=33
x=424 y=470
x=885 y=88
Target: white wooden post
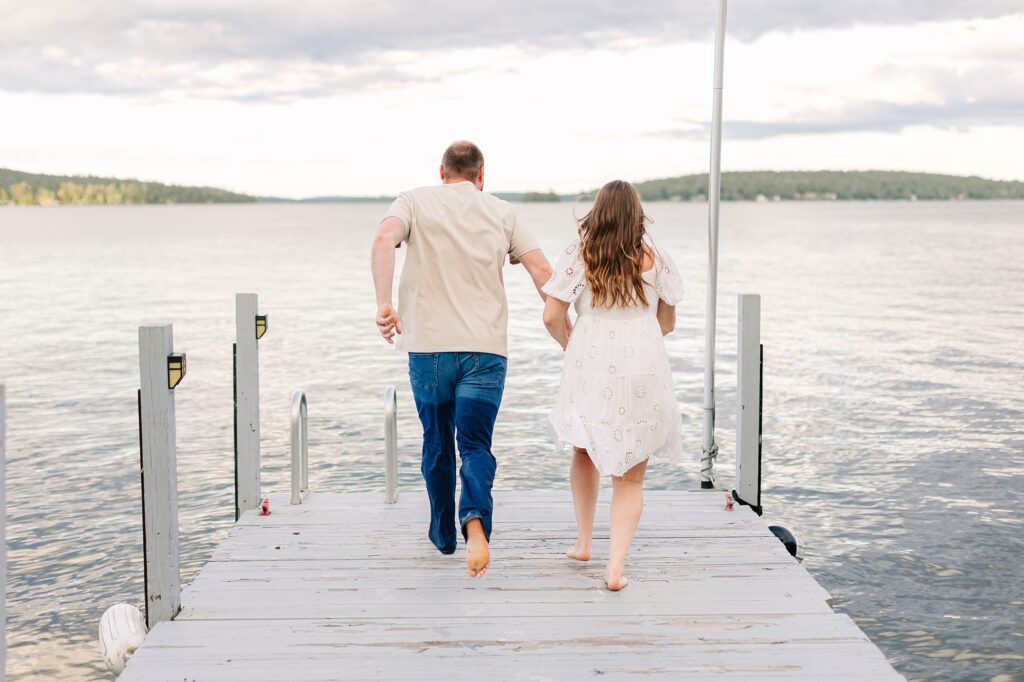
x=159 y=475
x=3 y=531
x=247 y=405
x=748 y=401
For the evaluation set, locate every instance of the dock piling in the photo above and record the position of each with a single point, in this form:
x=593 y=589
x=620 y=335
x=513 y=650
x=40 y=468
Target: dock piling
x=748 y=401
x=248 y=330
x=160 y=370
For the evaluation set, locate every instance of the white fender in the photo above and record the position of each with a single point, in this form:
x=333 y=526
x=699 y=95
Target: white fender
x=121 y=633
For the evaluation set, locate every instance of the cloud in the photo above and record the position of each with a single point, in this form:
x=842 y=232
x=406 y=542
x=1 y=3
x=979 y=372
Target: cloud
x=957 y=98
x=265 y=49
x=884 y=117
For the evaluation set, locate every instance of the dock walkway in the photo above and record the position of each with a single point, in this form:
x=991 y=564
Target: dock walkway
x=345 y=587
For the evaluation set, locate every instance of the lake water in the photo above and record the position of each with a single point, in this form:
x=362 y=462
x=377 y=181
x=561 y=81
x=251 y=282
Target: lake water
x=893 y=425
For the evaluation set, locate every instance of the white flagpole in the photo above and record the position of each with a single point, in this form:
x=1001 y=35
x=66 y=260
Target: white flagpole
x=710 y=447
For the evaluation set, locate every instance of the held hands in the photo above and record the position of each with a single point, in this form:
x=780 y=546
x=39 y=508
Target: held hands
x=388 y=322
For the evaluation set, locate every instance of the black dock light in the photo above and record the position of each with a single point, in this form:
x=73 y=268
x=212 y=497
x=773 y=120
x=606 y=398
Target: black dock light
x=261 y=326
x=175 y=369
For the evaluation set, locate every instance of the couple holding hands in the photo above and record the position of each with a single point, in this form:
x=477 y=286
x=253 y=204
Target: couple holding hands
x=615 y=405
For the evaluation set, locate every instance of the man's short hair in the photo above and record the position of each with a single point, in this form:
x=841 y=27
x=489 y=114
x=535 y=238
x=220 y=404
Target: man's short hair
x=462 y=159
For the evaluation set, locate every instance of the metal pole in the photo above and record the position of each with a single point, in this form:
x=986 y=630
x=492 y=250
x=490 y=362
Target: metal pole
x=300 y=447
x=710 y=447
x=390 y=445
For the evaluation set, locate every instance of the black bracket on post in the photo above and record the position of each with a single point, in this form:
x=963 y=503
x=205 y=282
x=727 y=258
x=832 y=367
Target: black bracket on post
x=142 y=481
x=234 y=412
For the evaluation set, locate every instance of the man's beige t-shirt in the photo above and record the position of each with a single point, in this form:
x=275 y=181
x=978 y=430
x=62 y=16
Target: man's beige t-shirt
x=452 y=293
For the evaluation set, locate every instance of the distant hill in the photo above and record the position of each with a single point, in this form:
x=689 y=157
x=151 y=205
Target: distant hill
x=831 y=185
x=35 y=189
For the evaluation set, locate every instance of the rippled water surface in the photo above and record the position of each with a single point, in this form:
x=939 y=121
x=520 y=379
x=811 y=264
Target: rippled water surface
x=894 y=379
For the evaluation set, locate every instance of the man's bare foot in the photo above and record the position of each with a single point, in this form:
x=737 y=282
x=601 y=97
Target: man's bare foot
x=581 y=552
x=615 y=581
x=478 y=552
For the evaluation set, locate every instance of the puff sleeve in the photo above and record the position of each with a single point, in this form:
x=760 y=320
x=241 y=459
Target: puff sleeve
x=567 y=281
x=668 y=280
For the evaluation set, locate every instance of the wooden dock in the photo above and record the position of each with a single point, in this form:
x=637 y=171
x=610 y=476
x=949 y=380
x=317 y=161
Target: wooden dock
x=345 y=587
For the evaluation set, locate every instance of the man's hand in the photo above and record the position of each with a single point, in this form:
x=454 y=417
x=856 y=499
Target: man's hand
x=388 y=323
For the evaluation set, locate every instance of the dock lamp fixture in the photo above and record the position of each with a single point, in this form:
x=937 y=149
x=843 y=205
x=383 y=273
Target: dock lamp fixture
x=175 y=369
x=261 y=326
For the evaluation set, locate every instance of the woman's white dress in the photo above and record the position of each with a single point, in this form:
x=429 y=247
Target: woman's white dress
x=616 y=398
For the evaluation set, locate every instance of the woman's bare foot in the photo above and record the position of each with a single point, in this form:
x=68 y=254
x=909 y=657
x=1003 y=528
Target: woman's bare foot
x=615 y=581
x=580 y=552
x=478 y=552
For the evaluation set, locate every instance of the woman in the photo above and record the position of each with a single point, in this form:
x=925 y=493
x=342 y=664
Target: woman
x=616 y=405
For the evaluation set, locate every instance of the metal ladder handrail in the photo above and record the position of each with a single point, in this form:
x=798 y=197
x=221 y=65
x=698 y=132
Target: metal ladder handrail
x=300 y=446
x=390 y=445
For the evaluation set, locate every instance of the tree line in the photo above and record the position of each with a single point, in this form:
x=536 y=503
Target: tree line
x=831 y=185
x=28 y=189
x=813 y=186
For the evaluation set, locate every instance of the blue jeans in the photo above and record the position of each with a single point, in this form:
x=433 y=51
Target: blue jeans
x=457 y=397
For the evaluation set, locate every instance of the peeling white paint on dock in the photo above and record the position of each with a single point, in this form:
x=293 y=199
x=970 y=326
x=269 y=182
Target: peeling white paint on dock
x=344 y=587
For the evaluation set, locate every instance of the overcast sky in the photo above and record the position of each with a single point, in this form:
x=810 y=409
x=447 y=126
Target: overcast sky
x=315 y=97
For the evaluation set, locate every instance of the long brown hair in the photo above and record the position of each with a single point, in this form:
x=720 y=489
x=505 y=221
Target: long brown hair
x=612 y=246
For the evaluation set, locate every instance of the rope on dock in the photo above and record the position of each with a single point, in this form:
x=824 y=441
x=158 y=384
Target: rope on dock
x=707 y=463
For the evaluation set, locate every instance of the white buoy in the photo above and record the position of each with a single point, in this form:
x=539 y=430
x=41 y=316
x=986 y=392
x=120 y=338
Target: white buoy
x=121 y=633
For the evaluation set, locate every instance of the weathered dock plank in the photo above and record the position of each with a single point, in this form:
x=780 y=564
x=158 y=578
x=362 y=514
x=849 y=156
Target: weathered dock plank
x=345 y=587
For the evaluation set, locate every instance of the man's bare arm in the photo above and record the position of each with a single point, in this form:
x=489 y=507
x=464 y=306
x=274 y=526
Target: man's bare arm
x=382 y=264
x=536 y=263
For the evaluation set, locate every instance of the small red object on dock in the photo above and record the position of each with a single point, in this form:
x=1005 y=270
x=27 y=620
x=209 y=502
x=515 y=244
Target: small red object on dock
x=728 y=502
x=265 y=507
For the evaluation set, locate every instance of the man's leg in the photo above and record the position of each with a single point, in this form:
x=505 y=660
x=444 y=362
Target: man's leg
x=478 y=393
x=432 y=376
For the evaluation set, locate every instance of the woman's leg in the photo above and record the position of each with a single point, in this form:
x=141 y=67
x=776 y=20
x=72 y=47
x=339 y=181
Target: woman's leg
x=627 y=504
x=585 y=481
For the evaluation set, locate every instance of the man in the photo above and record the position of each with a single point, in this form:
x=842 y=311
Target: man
x=452 y=318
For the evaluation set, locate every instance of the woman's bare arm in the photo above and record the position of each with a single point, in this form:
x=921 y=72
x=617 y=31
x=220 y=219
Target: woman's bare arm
x=536 y=263
x=666 y=317
x=556 y=314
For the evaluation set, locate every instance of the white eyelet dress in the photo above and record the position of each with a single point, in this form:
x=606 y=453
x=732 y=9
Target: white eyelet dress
x=616 y=398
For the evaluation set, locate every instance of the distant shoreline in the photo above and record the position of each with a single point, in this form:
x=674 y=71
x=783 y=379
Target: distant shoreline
x=385 y=202
x=27 y=189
